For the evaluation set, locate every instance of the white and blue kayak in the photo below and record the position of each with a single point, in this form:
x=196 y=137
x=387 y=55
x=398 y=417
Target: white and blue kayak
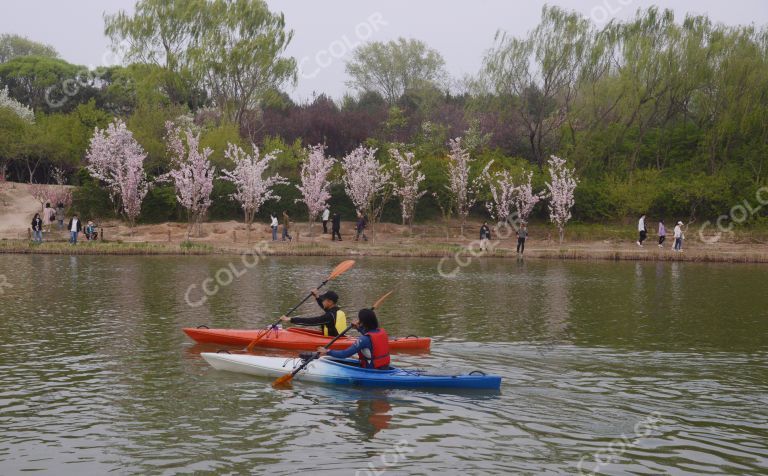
x=347 y=372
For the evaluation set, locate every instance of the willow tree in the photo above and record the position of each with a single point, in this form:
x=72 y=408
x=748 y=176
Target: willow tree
x=239 y=53
x=540 y=73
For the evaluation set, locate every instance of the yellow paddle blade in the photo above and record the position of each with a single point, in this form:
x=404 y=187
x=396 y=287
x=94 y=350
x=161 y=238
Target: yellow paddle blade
x=282 y=380
x=381 y=300
x=341 y=268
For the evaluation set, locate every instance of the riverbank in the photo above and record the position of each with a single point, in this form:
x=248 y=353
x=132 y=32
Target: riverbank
x=504 y=249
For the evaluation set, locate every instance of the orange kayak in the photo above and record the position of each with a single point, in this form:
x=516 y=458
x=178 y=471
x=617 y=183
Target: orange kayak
x=293 y=339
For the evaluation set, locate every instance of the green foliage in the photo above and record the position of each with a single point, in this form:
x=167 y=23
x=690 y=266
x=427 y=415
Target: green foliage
x=160 y=205
x=393 y=68
x=91 y=201
x=13 y=46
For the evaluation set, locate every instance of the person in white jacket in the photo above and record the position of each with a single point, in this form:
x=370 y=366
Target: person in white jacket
x=273 y=224
x=679 y=236
x=326 y=217
x=642 y=230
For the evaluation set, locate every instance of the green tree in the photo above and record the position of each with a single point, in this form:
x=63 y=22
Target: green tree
x=239 y=53
x=47 y=84
x=13 y=46
x=539 y=74
x=393 y=68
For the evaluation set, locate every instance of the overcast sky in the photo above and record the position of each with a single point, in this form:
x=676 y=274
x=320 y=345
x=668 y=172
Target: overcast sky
x=327 y=30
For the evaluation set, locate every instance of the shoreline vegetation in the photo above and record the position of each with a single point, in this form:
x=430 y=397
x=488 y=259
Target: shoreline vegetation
x=587 y=242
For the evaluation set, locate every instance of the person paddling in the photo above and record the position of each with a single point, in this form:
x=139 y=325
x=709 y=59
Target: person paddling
x=372 y=347
x=331 y=322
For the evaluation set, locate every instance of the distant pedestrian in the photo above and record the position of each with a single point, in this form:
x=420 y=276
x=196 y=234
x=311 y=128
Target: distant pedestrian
x=49 y=216
x=60 y=215
x=37 y=229
x=522 y=234
x=362 y=222
x=679 y=236
x=74 y=228
x=336 y=227
x=485 y=235
x=642 y=230
x=286 y=226
x=273 y=224
x=662 y=233
x=326 y=217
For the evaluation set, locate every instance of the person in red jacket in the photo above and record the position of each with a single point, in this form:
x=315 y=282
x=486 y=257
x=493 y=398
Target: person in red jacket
x=372 y=347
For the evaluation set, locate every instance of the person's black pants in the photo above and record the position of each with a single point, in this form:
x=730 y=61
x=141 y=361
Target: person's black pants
x=325 y=226
x=643 y=236
x=520 y=245
x=661 y=239
x=335 y=234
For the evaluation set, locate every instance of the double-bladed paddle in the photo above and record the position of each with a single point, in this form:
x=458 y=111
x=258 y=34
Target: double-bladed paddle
x=340 y=269
x=289 y=376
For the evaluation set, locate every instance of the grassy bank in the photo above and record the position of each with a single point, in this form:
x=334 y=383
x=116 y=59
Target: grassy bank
x=504 y=249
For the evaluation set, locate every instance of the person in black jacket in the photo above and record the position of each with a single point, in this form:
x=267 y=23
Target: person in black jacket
x=336 y=227
x=37 y=229
x=74 y=228
x=332 y=321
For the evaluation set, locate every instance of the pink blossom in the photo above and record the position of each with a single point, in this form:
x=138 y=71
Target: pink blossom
x=524 y=199
x=315 y=185
x=464 y=194
x=407 y=184
x=253 y=189
x=193 y=173
x=561 y=188
x=502 y=188
x=117 y=160
x=364 y=178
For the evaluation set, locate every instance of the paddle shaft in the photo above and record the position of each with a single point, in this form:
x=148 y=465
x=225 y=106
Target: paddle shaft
x=293 y=309
x=328 y=345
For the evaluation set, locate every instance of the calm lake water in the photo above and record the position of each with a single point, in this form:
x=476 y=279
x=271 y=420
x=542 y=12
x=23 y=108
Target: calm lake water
x=623 y=368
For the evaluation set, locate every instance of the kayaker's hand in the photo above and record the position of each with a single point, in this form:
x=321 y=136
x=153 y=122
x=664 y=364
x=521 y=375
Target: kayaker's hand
x=285 y=318
x=322 y=350
x=315 y=293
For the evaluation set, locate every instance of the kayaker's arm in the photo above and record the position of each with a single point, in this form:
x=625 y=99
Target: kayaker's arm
x=363 y=342
x=326 y=318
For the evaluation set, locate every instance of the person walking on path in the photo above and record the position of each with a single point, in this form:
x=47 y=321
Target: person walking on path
x=60 y=215
x=522 y=234
x=326 y=216
x=37 y=229
x=485 y=235
x=336 y=227
x=286 y=226
x=49 y=216
x=662 y=233
x=74 y=228
x=679 y=237
x=362 y=222
x=273 y=224
x=642 y=230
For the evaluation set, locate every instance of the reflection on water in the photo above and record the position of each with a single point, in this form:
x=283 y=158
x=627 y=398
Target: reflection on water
x=97 y=376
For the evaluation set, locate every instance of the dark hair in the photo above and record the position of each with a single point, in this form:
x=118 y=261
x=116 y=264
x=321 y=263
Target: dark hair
x=368 y=319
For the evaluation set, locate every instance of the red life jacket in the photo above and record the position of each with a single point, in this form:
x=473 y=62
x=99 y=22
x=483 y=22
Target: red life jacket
x=380 y=351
